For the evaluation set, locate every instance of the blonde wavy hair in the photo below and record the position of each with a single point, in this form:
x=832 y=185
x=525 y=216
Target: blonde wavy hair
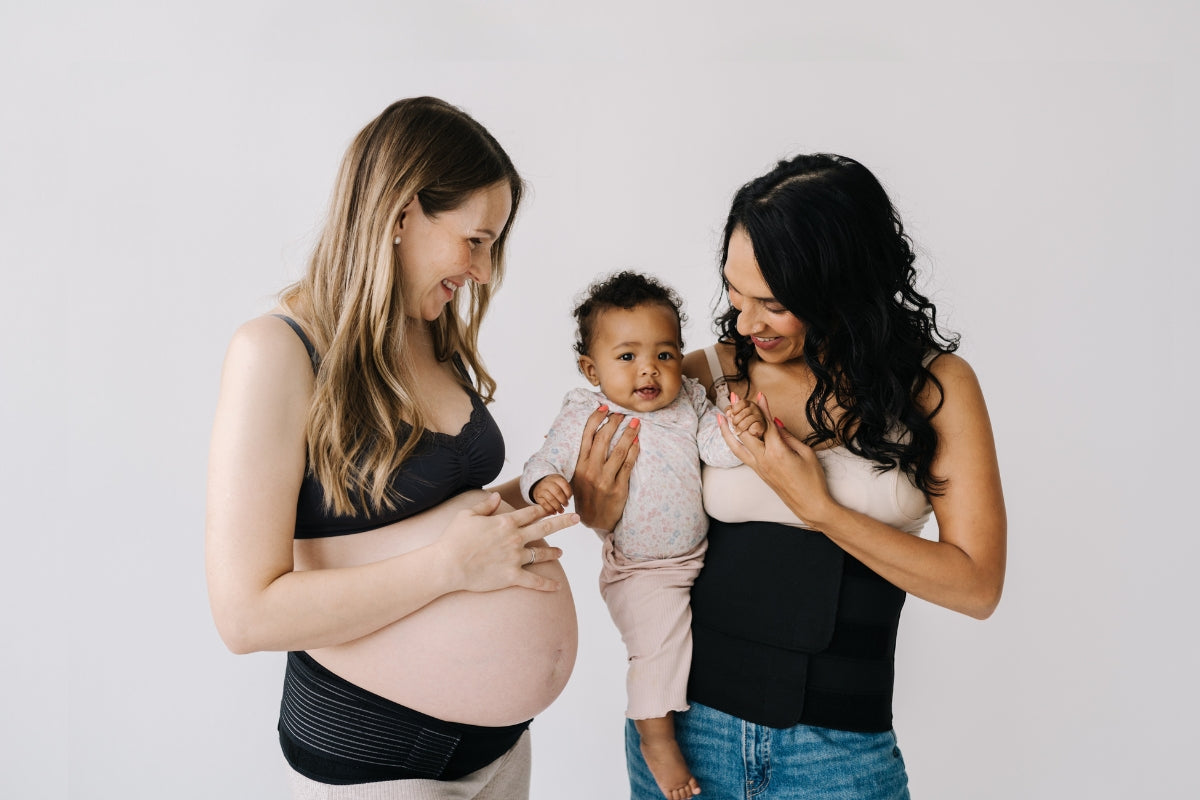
x=351 y=297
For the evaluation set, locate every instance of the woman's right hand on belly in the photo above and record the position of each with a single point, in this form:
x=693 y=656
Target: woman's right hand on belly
x=488 y=550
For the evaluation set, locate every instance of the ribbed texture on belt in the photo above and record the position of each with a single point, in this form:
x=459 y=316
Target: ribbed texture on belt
x=325 y=714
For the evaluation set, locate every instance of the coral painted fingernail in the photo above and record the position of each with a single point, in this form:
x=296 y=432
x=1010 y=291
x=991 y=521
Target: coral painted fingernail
x=733 y=398
x=778 y=423
x=633 y=423
x=602 y=408
x=760 y=397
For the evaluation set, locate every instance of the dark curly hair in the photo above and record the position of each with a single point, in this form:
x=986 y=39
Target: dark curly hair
x=626 y=290
x=832 y=249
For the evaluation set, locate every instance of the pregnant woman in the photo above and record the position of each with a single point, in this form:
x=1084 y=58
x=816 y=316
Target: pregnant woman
x=425 y=620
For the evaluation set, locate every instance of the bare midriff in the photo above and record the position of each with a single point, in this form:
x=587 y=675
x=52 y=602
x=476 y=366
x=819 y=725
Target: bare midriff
x=494 y=658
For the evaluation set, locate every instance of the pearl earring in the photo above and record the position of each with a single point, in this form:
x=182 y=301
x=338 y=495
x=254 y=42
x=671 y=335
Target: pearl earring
x=396 y=241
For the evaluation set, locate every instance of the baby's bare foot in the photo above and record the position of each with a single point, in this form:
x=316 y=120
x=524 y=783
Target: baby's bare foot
x=665 y=759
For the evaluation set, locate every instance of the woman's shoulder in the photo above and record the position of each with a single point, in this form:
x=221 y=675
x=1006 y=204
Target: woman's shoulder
x=951 y=367
x=266 y=389
x=272 y=346
x=957 y=389
x=272 y=327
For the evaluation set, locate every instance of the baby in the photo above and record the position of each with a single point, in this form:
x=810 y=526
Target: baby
x=630 y=345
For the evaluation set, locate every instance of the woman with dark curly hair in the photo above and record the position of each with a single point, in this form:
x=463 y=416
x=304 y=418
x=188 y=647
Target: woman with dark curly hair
x=814 y=542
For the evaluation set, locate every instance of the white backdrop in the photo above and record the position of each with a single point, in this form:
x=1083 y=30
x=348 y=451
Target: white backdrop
x=162 y=171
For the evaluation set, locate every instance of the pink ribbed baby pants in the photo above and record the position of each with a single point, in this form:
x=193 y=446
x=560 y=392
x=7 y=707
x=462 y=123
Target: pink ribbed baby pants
x=650 y=603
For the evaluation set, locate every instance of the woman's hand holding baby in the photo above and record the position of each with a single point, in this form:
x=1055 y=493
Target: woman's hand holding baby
x=601 y=479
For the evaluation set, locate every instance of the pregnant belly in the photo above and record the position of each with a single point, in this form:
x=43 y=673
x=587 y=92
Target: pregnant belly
x=492 y=658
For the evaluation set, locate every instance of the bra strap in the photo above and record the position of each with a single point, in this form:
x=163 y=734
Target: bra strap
x=461 y=367
x=714 y=363
x=720 y=388
x=308 y=345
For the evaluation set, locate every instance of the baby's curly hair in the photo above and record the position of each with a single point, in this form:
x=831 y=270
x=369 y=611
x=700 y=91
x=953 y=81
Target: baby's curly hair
x=626 y=290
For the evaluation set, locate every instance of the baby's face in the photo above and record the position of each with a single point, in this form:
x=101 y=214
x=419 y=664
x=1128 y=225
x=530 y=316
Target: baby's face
x=634 y=357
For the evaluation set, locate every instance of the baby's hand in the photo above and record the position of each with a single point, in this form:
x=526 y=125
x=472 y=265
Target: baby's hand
x=552 y=493
x=745 y=417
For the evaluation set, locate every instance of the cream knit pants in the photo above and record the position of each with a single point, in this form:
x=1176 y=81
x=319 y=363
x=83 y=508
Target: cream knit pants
x=649 y=602
x=506 y=778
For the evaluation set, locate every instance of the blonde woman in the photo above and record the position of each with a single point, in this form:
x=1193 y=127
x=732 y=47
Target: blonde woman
x=425 y=620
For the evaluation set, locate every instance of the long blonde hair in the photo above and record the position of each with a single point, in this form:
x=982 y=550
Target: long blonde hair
x=352 y=298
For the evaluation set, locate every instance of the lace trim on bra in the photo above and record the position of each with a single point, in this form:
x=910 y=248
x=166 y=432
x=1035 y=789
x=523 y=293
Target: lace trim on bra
x=471 y=429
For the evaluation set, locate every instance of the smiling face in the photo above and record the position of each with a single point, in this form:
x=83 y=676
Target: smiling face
x=439 y=254
x=777 y=334
x=634 y=356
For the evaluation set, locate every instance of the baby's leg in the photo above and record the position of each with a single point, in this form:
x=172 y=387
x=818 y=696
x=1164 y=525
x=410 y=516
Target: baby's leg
x=665 y=759
x=648 y=601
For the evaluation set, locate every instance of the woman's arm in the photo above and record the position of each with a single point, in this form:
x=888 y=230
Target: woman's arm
x=256 y=464
x=510 y=492
x=964 y=569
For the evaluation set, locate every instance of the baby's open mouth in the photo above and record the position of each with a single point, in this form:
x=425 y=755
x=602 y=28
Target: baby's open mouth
x=648 y=392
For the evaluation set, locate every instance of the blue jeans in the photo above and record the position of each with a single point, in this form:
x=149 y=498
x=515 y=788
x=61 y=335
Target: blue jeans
x=737 y=760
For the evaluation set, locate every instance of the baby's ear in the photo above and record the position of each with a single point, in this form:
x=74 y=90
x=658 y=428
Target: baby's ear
x=588 y=368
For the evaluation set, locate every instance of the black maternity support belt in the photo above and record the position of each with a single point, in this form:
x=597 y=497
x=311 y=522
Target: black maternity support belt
x=335 y=732
x=787 y=628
